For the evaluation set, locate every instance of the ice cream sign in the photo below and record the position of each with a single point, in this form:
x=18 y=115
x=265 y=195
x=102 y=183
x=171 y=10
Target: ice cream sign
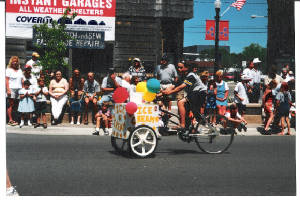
x=122 y=122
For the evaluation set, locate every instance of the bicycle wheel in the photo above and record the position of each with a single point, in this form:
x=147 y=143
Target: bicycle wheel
x=213 y=138
x=142 y=141
x=120 y=145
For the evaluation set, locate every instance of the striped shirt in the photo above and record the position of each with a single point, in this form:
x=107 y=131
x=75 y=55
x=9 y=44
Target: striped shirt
x=140 y=72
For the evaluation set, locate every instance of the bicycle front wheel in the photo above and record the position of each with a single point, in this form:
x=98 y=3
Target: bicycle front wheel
x=213 y=138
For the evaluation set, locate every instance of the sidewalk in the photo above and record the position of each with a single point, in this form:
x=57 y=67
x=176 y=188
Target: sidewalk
x=67 y=129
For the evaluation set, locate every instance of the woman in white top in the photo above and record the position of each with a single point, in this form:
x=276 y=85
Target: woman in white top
x=13 y=83
x=58 y=89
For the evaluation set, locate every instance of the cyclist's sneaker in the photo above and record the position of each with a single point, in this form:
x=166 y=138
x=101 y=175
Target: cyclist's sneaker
x=184 y=132
x=12 y=191
x=96 y=133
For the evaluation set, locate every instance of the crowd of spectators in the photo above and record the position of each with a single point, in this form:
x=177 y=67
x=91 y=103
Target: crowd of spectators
x=27 y=93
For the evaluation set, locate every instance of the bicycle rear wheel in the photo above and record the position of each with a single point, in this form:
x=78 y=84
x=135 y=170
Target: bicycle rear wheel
x=213 y=138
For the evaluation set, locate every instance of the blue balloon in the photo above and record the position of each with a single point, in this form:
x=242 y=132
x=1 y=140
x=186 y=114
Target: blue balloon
x=153 y=85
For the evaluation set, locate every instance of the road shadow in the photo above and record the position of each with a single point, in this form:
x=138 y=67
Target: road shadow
x=273 y=130
x=129 y=155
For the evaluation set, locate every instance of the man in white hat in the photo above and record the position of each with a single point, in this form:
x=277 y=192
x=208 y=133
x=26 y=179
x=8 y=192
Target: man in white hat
x=240 y=94
x=35 y=65
x=256 y=81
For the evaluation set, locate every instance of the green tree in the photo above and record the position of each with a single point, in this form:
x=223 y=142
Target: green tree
x=54 y=49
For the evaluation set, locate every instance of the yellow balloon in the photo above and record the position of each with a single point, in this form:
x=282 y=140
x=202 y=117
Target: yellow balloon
x=141 y=87
x=149 y=96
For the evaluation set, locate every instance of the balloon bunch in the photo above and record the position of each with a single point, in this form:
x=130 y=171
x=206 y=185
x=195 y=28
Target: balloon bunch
x=149 y=89
x=120 y=96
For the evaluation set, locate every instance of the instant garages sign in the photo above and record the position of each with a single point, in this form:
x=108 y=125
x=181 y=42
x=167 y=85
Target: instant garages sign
x=92 y=15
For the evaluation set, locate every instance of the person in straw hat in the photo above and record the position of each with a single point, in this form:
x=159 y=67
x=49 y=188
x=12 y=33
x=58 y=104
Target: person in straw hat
x=35 y=65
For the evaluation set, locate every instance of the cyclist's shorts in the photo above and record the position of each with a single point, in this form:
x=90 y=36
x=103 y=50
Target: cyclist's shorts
x=196 y=99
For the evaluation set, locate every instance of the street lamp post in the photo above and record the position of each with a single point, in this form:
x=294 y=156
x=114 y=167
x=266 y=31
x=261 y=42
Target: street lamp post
x=217 y=20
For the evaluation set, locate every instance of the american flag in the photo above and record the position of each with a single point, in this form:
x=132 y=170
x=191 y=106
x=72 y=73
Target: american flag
x=238 y=4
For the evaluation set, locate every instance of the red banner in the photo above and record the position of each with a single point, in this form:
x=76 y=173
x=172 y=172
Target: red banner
x=223 y=30
x=210 y=30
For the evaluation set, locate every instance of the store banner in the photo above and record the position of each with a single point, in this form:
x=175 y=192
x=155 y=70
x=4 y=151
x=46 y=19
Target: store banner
x=223 y=30
x=79 y=39
x=92 y=15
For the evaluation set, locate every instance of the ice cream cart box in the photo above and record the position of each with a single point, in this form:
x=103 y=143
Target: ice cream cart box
x=146 y=114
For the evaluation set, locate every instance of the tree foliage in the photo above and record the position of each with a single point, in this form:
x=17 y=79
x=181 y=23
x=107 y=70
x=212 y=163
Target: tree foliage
x=54 y=49
x=235 y=59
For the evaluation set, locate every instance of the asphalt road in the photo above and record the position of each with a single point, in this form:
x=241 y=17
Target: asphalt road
x=87 y=165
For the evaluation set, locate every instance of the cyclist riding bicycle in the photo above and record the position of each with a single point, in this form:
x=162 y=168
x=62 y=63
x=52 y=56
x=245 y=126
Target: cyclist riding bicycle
x=196 y=94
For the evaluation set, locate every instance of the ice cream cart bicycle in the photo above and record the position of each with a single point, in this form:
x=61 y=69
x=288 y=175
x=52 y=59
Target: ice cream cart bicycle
x=138 y=134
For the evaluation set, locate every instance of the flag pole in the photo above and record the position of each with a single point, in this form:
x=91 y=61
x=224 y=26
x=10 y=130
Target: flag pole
x=225 y=10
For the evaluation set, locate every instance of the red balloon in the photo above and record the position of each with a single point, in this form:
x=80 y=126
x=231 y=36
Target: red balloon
x=131 y=108
x=120 y=95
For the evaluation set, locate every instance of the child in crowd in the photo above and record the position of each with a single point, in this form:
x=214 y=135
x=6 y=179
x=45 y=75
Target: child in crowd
x=26 y=105
x=284 y=101
x=211 y=100
x=76 y=103
x=267 y=102
x=240 y=94
x=41 y=103
x=235 y=120
x=104 y=115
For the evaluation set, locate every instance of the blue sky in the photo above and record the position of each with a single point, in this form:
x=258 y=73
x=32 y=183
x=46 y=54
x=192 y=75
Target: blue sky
x=239 y=21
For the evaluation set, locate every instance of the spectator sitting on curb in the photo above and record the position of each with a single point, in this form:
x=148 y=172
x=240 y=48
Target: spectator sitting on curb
x=76 y=83
x=103 y=115
x=109 y=84
x=58 y=89
x=235 y=120
x=126 y=80
x=90 y=88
